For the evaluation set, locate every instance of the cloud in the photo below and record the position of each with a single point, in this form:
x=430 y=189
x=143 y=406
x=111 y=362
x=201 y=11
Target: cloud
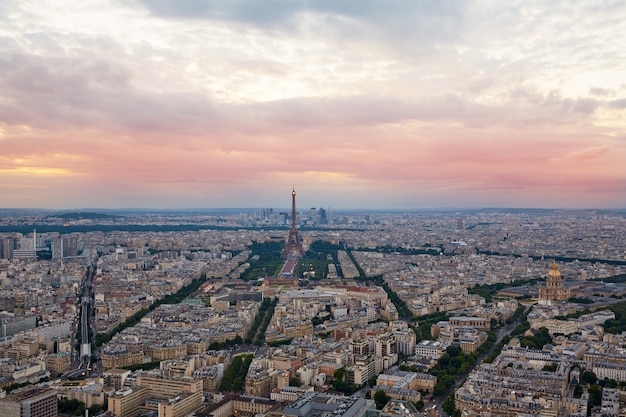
x=588 y=153
x=406 y=100
x=618 y=104
x=76 y=93
x=238 y=10
x=280 y=11
x=411 y=23
x=602 y=92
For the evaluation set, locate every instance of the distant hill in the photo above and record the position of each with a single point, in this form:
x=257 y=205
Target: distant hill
x=80 y=215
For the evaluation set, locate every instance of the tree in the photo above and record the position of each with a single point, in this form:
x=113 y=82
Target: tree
x=608 y=383
x=453 y=351
x=589 y=377
x=381 y=399
x=444 y=360
x=448 y=405
x=550 y=367
x=578 y=391
x=235 y=375
x=294 y=382
x=72 y=407
x=595 y=396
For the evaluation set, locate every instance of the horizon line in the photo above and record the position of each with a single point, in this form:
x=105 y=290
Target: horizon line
x=85 y=209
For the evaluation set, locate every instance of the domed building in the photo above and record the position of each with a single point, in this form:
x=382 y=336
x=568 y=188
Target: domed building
x=553 y=290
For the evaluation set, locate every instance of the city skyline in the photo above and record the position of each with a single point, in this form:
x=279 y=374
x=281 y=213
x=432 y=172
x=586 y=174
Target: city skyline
x=374 y=105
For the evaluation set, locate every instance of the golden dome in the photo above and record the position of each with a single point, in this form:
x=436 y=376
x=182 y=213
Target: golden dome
x=554 y=272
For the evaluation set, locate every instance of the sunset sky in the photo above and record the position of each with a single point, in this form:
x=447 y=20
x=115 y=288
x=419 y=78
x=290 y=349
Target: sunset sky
x=357 y=103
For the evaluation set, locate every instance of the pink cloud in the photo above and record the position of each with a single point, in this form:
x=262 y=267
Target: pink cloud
x=81 y=127
x=590 y=152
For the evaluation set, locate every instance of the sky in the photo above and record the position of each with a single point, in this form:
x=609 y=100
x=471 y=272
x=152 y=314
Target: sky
x=356 y=103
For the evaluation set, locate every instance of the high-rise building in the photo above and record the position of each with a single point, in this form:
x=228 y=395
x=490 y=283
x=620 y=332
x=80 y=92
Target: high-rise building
x=313 y=215
x=267 y=213
x=57 y=248
x=64 y=247
x=7 y=245
x=26 y=247
x=323 y=217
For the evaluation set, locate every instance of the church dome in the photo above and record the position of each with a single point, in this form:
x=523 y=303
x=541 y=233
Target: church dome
x=554 y=272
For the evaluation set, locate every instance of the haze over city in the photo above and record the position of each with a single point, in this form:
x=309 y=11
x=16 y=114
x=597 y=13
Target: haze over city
x=372 y=104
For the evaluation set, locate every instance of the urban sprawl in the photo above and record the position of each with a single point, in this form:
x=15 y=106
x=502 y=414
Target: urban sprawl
x=313 y=313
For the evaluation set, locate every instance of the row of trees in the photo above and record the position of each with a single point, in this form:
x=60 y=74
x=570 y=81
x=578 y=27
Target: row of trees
x=488 y=291
x=235 y=376
x=444 y=384
x=520 y=313
x=403 y=311
x=537 y=340
x=362 y=275
x=425 y=322
x=51 y=228
x=516 y=316
x=257 y=331
x=563 y=259
x=77 y=408
x=618 y=324
x=450 y=407
x=317 y=259
x=268 y=262
x=228 y=344
x=176 y=298
x=454 y=363
x=143 y=366
x=427 y=250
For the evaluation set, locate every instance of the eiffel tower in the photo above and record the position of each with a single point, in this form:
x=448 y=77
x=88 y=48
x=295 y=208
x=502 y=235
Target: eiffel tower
x=293 y=245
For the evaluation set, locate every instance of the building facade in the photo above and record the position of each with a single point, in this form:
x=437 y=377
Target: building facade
x=553 y=290
x=31 y=402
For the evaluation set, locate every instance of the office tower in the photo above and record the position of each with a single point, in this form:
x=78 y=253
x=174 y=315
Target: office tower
x=64 y=247
x=313 y=215
x=323 y=218
x=26 y=248
x=57 y=248
x=7 y=245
